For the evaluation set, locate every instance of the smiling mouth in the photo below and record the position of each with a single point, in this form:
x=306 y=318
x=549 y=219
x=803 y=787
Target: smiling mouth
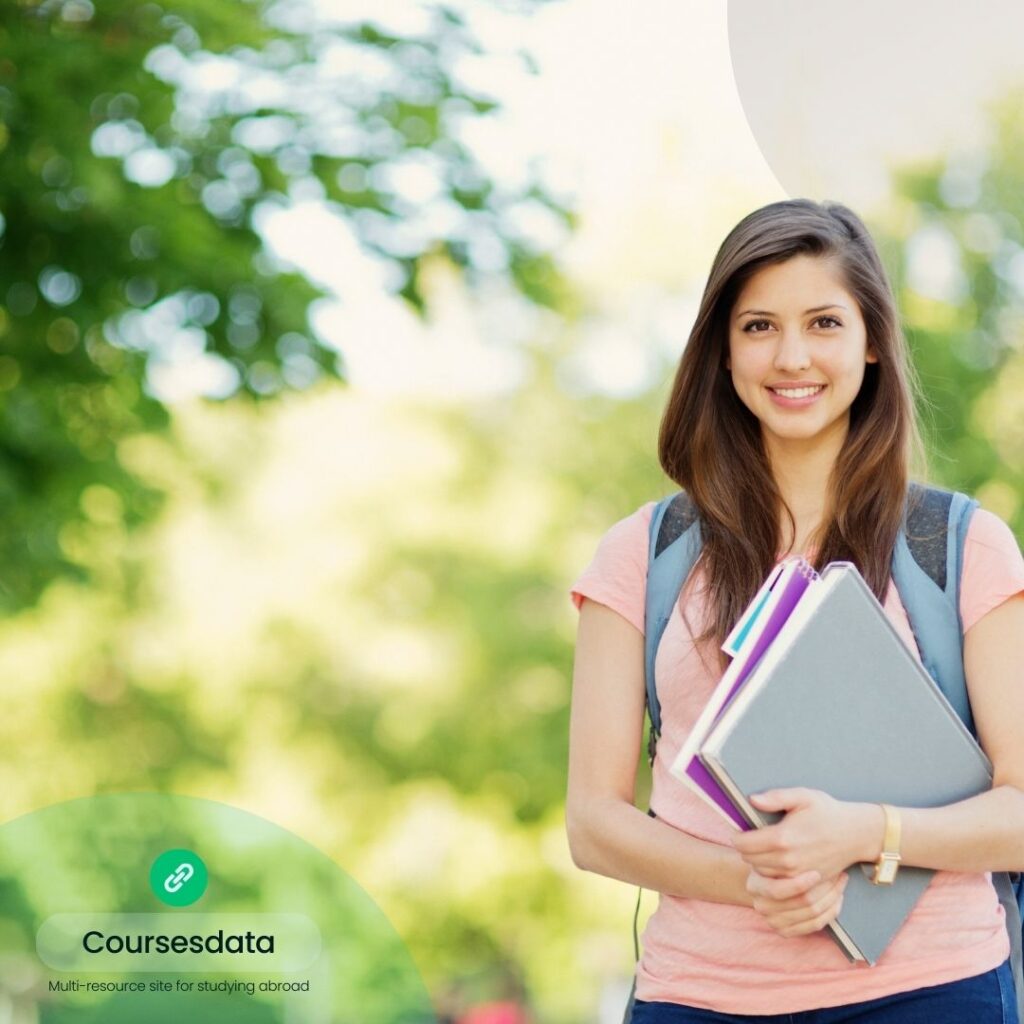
x=798 y=392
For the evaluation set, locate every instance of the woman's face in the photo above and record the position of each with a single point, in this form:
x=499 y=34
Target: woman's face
x=797 y=350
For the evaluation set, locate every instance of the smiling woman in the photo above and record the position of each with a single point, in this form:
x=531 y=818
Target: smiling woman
x=797 y=297
x=791 y=427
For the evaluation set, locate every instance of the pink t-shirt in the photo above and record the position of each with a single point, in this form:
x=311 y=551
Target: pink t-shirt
x=725 y=957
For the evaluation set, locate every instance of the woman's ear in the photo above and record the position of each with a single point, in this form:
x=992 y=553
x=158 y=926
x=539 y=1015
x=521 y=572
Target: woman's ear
x=872 y=355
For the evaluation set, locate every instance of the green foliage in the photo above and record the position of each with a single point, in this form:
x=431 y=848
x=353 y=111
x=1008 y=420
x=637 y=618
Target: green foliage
x=131 y=188
x=967 y=341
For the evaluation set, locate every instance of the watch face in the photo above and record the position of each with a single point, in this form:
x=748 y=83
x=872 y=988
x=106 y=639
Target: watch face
x=887 y=871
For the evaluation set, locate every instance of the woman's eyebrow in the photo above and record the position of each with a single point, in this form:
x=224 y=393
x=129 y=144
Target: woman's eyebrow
x=815 y=309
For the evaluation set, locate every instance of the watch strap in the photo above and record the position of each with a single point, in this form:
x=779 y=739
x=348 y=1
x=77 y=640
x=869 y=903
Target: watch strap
x=889 y=861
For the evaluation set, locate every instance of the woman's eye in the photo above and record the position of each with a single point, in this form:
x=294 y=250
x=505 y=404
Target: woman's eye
x=760 y=326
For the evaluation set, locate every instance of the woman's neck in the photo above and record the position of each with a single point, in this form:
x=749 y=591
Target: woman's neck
x=802 y=472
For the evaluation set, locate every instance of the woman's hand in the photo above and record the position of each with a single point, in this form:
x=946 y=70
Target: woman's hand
x=800 y=905
x=818 y=833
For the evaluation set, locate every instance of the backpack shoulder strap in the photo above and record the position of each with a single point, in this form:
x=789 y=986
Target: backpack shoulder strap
x=673 y=548
x=926 y=564
x=926 y=568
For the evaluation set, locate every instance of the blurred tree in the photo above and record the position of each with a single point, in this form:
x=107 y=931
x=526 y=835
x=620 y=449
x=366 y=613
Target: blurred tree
x=387 y=677
x=140 y=144
x=954 y=241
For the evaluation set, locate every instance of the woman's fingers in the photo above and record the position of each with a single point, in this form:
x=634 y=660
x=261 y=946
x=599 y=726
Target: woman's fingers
x=816 y=896
x=828 y=914
x=813 y=917
x=800 y=905
x=779 y=889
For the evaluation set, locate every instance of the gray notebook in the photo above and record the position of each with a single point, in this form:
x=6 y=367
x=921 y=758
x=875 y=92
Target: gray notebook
x=838 y=703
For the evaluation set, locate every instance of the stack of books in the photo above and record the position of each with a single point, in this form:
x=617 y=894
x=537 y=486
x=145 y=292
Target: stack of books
x=822 y=692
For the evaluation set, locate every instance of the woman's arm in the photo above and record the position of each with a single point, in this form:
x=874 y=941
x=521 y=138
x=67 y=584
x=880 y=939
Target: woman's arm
x=983 y=833
x=607 y=833
x=986 y=832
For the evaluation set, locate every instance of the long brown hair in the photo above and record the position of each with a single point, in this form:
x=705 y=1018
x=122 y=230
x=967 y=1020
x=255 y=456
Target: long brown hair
x=710 y=443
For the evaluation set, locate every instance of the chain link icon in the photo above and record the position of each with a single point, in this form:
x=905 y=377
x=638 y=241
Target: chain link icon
x=173 y=882
x=178 y=877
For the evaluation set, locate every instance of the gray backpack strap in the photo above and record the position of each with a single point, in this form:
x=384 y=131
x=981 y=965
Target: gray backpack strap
x=926 y=564
x=673 y=545
x=673 y=548
x=926 y=568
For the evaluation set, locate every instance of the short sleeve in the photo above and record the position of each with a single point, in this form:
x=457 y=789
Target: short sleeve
x=617 y=574
x=993 y=568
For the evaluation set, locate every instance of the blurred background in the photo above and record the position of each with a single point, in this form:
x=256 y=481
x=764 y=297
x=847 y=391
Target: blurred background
x=332 y=337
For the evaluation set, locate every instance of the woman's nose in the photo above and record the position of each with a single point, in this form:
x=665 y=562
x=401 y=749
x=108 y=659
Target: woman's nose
x=793 y=352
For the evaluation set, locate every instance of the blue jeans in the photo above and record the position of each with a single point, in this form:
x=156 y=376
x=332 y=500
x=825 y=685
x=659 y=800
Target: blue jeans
x=984 y=999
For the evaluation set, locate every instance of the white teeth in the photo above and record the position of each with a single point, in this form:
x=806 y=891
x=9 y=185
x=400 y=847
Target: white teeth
x=798 y=392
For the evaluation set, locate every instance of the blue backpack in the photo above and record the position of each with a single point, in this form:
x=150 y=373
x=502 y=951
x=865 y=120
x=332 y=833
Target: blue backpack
x=926 y=565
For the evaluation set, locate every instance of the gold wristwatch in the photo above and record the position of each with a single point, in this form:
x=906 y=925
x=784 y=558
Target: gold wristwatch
x=888 y=862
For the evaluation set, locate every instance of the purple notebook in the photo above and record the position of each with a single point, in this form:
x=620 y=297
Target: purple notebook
x=762 y=632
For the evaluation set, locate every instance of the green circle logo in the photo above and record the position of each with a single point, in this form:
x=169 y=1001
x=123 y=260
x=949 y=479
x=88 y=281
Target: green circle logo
x=178 y=877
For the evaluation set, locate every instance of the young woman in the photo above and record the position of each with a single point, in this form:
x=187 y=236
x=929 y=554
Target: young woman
x=791 y=426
